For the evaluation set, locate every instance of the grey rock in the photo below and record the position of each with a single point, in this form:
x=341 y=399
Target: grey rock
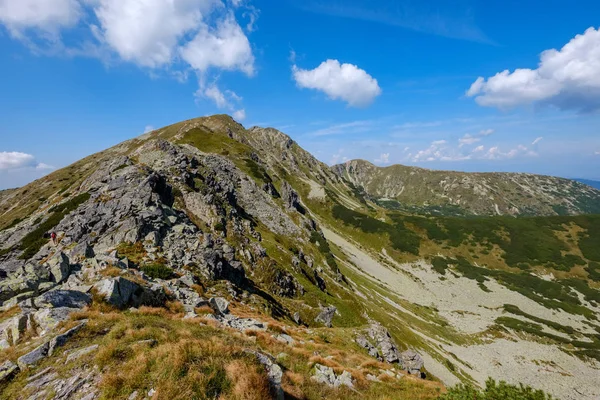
x=62 y=339
x=363 y=342
x=63 y=298
x=34 y=356
x=46 y=319
x=296 y=318
x=412 y=362
x=290 y=198
x=326 y=375
x=274 y=373
x=287 y=339
x=81 y=352
x=326 y=316
x=82 y=251
x=383 y=341
x=219 y=305
x=7 y=370
x=118 y=291
x=59 y=267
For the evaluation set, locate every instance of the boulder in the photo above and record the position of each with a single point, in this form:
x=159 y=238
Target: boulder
x=81 y=352
x=327 y=376
x=326 y=316
x=219 y=305
x=364 y=343
x=59 y=267
x=82 y=251
x=34 y=356
x=412 y=362
x=118 y=291
x=383 y=340
x=62 y=339
x=122 y=292
x=47 y=319
x=63 y=298
x=7 y=370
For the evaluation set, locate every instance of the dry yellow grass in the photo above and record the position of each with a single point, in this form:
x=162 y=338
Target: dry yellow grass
x=250 y=383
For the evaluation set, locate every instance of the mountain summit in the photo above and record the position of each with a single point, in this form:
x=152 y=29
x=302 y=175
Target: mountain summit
x=206 y=260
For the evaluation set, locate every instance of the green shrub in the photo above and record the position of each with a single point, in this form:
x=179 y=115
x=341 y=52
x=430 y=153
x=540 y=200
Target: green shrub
x=157 y=270
x=495 y=391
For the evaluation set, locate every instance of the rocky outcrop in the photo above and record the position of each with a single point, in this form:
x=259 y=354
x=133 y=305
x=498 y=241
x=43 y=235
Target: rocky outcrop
x=122 y=292
x=326 y=375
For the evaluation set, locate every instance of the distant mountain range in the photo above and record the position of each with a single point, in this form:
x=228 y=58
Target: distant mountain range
x=594 y=184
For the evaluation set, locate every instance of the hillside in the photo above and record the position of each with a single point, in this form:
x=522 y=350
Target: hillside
x=206 y=260
x=426 y=191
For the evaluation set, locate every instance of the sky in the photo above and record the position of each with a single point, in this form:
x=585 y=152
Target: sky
x=457 y=85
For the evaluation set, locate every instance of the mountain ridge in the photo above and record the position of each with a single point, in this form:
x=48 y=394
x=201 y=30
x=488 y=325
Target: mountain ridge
x=485 y=193
x=235 y=249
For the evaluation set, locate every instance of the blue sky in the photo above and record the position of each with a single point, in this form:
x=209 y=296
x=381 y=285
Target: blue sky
x=386 y=81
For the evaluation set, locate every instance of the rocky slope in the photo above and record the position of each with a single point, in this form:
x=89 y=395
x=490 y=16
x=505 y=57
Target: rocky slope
x=203 y=253
x=458 y=193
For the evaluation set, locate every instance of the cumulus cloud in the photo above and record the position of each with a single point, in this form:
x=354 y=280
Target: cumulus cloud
x=344 y=82
x=486 y=132
x=171 y=36
x=48 y=16
x=536 y=141
x=383 y=158
x=568 y=78
x=225 y=47
x=15 y=160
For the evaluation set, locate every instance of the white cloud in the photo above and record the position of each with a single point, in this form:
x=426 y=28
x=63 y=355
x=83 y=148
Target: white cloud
x=147 y=32
x=536 y=141
x=597 y=153
x=224 y=100
x=468 y=140
x=440 y=150
x=344 y=82
x=15 y=160
x=383 y=158
x=42 y=166
x=148 y=128
x=239 y=115
x=174 y=37
x=225 y=47
x=47 y=16
x=486 y=132
x=568 y=78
